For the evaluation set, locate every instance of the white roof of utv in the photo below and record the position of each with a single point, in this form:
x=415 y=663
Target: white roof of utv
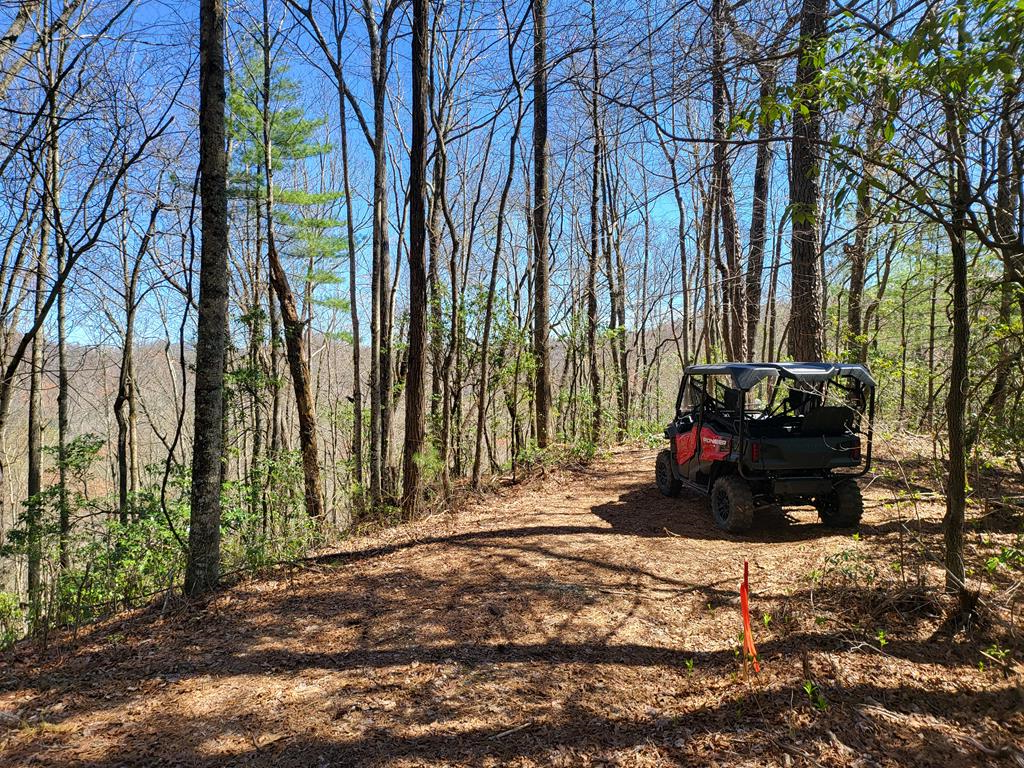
x=746 y=375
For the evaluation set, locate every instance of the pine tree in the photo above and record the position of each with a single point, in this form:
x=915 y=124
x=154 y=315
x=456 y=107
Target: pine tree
x=273 y=135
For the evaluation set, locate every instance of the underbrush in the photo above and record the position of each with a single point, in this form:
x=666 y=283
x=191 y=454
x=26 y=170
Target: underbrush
x=883 y=592
x=108 y=559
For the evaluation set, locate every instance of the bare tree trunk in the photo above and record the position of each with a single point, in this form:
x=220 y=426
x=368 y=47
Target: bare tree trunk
x=857 y=347
x=903 y=350
x=357 y=384
x=53 y=193
x=415 y=431
x=203 y=569
x=541 y=255
x=439 y=181
x=592 y=256
x=956 y=398
x=733 y=298
x=806 y=328
x=380 y=320
x=770 y=311
x=499 y=236
x=929 y=410
x=294 y=336
x=759 y=211
x=34 y=522
x=126 y=374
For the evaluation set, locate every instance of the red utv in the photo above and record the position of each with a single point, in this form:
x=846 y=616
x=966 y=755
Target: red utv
x=755 y=435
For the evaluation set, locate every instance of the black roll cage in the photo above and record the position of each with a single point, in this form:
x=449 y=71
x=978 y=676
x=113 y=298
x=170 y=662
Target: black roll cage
x=742 y=437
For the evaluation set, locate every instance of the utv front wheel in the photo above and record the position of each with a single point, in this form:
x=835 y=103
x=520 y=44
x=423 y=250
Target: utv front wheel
x=732 y=504
x=843 y=508
x=668 y=484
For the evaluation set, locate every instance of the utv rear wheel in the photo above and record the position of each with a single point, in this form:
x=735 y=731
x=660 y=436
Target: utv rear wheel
x=668 y=484
x=732 y=504
x=843 y=508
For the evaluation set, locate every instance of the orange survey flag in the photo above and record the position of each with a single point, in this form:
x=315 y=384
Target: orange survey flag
x=748 y=637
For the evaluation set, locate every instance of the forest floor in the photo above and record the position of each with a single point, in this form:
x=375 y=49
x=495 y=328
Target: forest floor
x=577 y=618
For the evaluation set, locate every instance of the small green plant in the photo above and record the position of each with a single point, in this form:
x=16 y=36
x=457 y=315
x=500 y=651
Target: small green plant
x=997 y=652
x=11 y=620
x=850 y=566
x=689 y=665
x=766 y=619
x=1008 y=557
x=815 y=696
x=882 y=639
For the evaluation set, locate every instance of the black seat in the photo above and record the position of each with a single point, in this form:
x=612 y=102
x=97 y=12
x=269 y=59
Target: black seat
x=801 y=401
x=732 y=399
x=827 y=421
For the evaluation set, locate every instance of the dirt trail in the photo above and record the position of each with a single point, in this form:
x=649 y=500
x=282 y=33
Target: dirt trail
x=580 y=619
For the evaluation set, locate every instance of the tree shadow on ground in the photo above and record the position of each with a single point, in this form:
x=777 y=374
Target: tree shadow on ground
x=367 y=633
x=645 y=512
x=896 y=725
x=529 y=644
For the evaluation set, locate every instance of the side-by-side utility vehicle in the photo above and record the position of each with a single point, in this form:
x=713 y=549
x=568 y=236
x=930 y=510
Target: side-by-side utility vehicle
x=765 y=435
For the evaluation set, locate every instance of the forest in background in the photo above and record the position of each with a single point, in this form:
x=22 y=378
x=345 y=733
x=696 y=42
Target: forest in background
x=454 y=240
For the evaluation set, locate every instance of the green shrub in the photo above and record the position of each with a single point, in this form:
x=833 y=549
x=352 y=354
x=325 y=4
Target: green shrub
x=12 y=621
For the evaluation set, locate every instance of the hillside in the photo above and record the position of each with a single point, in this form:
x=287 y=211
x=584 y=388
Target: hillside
x=576 y=619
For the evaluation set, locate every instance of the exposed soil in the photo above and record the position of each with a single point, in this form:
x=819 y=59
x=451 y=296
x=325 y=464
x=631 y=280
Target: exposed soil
x=577 y=619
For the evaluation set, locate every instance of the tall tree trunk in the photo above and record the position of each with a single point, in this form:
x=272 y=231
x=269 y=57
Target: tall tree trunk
x=278 y=440
x=434 y=280
x=63 y=507
x=759 y=210
x=357 y=384
x=857 y=347
x=806 y=327
x=125 y=381
x=929 y=410
x=417 y=361
x=541 y=204
x=485 y=344
x=34 y=510
x=956 y=398
x=53 y=193
x=733 y=298
x=203 y=568
x=294 y=336
x=592 y=256
x=124 y=399
x=380 y=319
x=903 y=349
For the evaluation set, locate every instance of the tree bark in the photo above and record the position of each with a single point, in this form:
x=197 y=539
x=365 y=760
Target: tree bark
x=492 y=284
x=956 y=398
x=806 y=328
x=294 y=331
x=759 y=212
x=357 y=384
x=203 y=568
x=417 y=361
x=541 y=203
x=592 y=256
x=733 y=298
x=34 y=511
x=380 y=319
x=857 y=347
